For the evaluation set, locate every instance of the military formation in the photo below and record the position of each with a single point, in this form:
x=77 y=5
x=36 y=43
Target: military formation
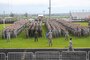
x=32 y=29
x=7 y=21
x=35 y=29
x=56 y=28
x=59 y=27
x=13 y=30
x=75 y=29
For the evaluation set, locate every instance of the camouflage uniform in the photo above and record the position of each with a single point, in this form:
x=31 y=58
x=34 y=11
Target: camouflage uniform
x=15 y=33
x=70 y=45
x=36 y=36
x=66 y=35
x=27 y=33
x=8 y=34
x=50 y=38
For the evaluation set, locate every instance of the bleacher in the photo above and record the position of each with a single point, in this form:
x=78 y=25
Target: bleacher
x=46 y=55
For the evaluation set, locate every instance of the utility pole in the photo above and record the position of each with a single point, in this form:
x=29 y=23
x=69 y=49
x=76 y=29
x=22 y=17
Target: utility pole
x=49 y=9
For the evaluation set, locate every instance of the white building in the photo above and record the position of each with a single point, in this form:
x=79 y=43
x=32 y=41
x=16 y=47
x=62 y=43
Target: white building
x=79 y=15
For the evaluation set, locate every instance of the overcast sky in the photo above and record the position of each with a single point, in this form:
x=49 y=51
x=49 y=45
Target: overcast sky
x=38 y=6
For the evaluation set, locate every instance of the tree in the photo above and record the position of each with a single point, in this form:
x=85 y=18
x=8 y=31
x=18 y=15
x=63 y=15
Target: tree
x=11 y=14
x=26 y=14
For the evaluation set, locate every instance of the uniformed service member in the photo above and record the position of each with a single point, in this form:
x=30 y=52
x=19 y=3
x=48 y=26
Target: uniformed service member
x=70 y=45
x=15 y=33
x=36 y=36
x=27 y=32
x=66 y=35
x=50 y=38
x=8 y=34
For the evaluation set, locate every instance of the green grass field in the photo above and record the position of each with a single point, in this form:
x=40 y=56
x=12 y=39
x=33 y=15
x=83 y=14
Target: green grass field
x=2 y=26
x=82 y=23
x=22 y=42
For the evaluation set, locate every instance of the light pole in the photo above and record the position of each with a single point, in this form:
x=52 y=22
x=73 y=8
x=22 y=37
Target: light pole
x=49 y=9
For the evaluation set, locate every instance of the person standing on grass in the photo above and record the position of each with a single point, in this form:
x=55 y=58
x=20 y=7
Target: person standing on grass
x=36 y=36
x=15 y=33
x=70 y=45
x=49 y=38
x=27 y=32
x=66 y=35
x=8 y=34
x=88 y=23
x=3 y=34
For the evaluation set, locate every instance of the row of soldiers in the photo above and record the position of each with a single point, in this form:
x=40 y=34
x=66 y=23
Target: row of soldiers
x=75 y=29
x=34 y=29
x=14 y=29
x=7 y=21
x=57 y=29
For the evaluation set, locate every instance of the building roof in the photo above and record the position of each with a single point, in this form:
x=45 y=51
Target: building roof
x=40 y=15
x=80 y=15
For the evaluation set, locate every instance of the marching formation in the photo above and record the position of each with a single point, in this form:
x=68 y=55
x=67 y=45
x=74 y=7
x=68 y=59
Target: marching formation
x=55 y=28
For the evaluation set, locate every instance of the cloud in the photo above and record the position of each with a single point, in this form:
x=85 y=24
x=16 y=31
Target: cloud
x=70 y=3
x=23 y=2
x=55 y=3
x=40 y=5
